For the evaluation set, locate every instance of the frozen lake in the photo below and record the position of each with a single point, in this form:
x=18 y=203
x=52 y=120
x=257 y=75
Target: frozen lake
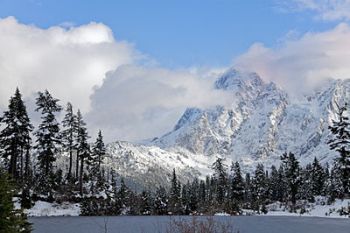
x=157 y=224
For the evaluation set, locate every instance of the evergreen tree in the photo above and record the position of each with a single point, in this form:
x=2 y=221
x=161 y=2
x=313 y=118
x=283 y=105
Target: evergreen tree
x=236 y=187
x=161 y=202
x=11 y=220
x=97 y=156
x=220 y=177
x=283 y=186
x=99 y=150
x=145 y=203
x=307 y=184
x=194 y=196
x=175 y=195
x=210 y=189
x=15 y=137
x=48 y=137
x=336 y=188
x=80 y=124
x=248 y=190
x=83 y=149
x=123 y=198
x=259 y=188
x=318 y=178
x=341 y=143
x=292 y=176
x=202 y=196
x=68 y=135
x=185 y=199
x=274 y=184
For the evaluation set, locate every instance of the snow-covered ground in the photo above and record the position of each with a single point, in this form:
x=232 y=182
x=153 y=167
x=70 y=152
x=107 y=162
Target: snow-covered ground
x=317 y=209
x=42 y=208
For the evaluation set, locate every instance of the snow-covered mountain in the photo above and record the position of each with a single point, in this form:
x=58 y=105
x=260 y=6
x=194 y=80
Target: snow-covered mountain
x=260 y=124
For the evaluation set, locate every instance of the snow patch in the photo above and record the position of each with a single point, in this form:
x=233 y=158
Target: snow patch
x=42 y=208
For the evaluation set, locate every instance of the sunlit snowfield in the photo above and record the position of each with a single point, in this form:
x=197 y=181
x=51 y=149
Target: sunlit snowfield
x=152 y=224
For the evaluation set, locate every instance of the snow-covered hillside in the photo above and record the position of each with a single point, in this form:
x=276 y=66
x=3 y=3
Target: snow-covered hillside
x=260 y=124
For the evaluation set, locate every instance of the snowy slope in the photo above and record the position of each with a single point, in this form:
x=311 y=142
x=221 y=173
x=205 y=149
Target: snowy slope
x=260 y=124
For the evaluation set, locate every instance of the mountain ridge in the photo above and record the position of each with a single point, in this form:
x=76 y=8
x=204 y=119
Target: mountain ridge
x=260 y=124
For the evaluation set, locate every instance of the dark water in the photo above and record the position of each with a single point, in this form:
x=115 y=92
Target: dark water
x=158 y=224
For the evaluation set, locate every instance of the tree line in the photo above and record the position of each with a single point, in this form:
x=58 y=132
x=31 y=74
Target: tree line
x=229 y=190
x=28 y=158
x=28 y=155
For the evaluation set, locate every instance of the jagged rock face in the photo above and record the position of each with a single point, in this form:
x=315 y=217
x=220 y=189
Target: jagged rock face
x=260 y=124
x=247 y=127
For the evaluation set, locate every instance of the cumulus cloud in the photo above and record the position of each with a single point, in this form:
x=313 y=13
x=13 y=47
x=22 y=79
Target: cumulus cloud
x=325 y=9
x=304 y=61
x=130 y=103
x=136 y=102
x=69 y=62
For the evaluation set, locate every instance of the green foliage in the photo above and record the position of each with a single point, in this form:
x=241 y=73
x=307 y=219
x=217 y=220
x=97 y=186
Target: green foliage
x=15 y=137
x=341 y=143
x=11 y=220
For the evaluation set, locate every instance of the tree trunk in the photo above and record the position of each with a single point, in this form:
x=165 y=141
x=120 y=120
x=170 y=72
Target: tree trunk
x=81 y=175
x=12 y=167
x=70 y=163
x=26 y=166
x=77 y=166
x=21 y=170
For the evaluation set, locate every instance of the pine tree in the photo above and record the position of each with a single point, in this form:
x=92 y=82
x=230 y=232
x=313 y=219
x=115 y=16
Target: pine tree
x=283 y=186
x=259 y=188
x=248 y=190
x=48 y=136
x=318 y=178
x=48 y=139
x=97 y=156
x=161 y=202
x=83 y=149
x=11 y=220
x=15 y=137
x=175 y=195
x=202 y=196
x=145 y=203
x=80 y=124
x=236 y=187
x=274 y=184
x=292 y=176
x=340 y=142
x=220 y=177
x=336 y=188
x=68 y=135
x=99 y=150
x=123 y=198
x=194 y=195
x=307 y=184
x=185 y=198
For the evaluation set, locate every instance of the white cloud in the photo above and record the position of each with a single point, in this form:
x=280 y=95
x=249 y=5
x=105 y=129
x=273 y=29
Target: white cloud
x=69 y=62
x=136 y=103
x=302 y=62
x=133 y=102
x=325 y=9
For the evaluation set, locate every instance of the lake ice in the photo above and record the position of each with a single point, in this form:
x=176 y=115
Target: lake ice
x=158 y=224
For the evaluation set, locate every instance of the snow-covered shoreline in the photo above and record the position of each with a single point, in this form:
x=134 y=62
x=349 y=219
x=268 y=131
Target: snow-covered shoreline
x=46 y=209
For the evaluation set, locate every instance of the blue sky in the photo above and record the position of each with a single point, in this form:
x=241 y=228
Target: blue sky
x=178 y=33
x=184 y=48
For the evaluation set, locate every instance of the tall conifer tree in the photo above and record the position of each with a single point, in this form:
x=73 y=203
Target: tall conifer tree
x=48 y=138
x=68 y=135
x=341 y=143
x=15 y=137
